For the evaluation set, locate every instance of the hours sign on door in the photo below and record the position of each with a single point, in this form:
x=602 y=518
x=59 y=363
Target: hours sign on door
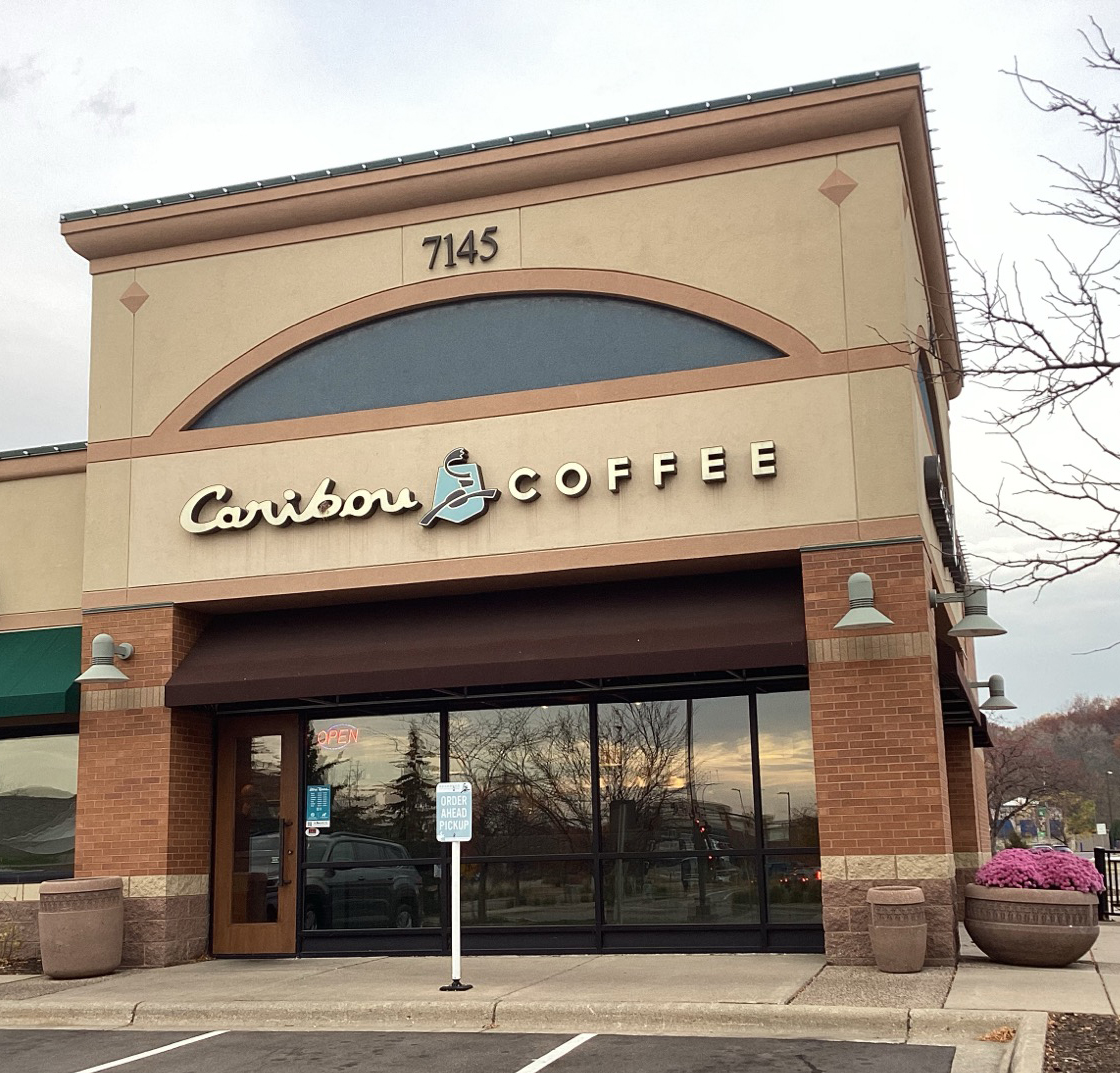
x=453 y=812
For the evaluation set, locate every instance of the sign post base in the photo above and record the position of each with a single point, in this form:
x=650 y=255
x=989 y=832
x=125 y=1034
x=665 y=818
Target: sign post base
x=456 y=985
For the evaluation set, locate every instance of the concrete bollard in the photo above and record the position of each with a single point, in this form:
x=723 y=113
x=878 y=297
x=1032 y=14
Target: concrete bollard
x=898 y=928
x=81 y=926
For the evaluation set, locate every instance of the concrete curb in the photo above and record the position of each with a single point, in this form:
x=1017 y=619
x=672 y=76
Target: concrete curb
x=1029 y=1053
x=474 y=1015
x=944 y=1026
x=25 y=1014
x=1027 y=1050
x=746 y=1019
x=875 y=1024
x=471 y=1015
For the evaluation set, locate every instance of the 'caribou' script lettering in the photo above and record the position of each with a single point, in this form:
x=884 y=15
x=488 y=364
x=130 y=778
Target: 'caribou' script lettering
x=325 y=503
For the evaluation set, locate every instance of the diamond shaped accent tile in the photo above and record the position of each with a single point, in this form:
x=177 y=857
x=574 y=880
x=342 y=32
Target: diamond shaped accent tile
x=134 y=297
x=837 y=186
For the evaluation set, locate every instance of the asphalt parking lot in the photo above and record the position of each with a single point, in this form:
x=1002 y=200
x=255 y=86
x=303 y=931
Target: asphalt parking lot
x=90 y=1051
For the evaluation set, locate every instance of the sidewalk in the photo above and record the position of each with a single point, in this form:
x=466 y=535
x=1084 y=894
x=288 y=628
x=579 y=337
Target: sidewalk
x=776 y=995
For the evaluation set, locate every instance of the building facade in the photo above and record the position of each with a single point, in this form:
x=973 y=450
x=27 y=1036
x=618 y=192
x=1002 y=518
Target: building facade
x=543 y=463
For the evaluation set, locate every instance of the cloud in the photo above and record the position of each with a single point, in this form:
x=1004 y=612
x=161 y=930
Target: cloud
x=109 y=104
x=17 y=76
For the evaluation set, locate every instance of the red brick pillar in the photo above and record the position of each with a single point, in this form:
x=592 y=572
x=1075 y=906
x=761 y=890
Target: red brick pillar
x=144 y=809
x=879 y=746
x=968 y=806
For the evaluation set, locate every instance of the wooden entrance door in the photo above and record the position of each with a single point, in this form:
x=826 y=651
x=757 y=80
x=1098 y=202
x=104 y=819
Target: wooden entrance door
x=255 y=835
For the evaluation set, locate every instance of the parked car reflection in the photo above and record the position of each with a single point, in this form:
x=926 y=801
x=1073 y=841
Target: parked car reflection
x=360 y=882
x=357 y=882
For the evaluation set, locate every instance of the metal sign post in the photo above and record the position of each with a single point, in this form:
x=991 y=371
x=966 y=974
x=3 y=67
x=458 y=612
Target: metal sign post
x=453 y=824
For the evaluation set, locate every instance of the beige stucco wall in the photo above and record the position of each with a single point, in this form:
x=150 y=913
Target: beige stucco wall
x=766 y=237
x=201 y=314
x=41 y=527
x=851 y=445
x=845 y=447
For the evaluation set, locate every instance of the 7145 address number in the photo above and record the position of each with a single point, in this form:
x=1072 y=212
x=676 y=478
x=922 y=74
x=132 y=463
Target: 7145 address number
x=466 y=250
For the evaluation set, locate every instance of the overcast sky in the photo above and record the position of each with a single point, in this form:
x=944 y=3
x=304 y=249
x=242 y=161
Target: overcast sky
x=108 y=102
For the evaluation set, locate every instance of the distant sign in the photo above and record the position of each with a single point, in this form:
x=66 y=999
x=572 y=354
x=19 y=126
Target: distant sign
x=453 y=812
x=318 y=807
x=1102 y=829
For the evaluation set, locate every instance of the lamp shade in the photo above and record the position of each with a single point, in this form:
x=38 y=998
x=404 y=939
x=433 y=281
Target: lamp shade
x=101 y=668
x=976 y=622
x=100 y=673
x=861 y=611
x=997 y=701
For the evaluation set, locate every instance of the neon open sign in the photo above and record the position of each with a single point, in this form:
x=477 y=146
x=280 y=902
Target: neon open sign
x=337 y=736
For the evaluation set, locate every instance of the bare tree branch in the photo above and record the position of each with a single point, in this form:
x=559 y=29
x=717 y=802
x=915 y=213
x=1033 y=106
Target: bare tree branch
x=1048 y=345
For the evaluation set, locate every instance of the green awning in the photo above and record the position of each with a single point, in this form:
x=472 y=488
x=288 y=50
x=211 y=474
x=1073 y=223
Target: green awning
x=37 y=671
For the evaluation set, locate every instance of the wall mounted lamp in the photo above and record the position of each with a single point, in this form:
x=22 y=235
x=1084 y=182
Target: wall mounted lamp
x=861 y=606
x=975 y=622
x=101 y=669
x=997 y=700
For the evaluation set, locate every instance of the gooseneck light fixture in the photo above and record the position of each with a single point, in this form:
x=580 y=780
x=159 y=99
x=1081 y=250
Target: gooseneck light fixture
x=861 y=606
x=975 y=622
x=101 y=669
x=997 y=700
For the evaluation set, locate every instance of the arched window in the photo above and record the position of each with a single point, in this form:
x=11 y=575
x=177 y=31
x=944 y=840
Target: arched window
x=483 y=346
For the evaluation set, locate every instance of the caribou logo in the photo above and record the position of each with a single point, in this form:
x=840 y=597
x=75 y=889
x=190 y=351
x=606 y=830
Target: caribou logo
x=459 y=495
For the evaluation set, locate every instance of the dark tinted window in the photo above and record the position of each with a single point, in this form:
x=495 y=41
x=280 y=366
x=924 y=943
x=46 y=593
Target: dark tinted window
x=38 y=795
x=483 y=346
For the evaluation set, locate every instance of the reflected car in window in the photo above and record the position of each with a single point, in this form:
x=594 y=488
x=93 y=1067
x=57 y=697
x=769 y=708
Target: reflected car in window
x=359 y=882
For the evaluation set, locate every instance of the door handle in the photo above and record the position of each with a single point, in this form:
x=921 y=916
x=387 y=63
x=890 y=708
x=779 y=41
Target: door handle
x=282 y=828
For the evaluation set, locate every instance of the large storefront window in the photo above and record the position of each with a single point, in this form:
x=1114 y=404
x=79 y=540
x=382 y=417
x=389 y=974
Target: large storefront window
x=377 y=865
x=627 y=822
x=38 y=793
x=530 y=773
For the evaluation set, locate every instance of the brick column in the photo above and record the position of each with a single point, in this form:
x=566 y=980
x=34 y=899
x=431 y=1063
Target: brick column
x=968 y=806
x=145 y=796
x=879 y=747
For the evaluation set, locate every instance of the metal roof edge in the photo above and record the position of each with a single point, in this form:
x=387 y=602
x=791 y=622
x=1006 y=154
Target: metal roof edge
x=49 y=449
x=492 y=143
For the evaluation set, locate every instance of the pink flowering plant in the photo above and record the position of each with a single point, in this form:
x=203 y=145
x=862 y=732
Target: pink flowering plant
x=1040 y=871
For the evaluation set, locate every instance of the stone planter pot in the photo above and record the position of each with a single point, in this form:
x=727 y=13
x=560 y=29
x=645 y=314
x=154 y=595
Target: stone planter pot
x=898 y=928
x=81 y=926
x=1042 y=928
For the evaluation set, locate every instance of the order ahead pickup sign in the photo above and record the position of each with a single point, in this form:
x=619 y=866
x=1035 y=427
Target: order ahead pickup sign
x=453 y=812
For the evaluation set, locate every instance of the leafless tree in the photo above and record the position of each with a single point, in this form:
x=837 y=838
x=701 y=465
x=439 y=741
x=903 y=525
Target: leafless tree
x=1045 y=338
x=1023 y=773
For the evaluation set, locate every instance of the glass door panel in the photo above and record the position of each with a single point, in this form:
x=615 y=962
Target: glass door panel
x=255 y=836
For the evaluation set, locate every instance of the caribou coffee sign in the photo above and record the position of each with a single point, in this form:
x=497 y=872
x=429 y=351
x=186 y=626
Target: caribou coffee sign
x=460 y=493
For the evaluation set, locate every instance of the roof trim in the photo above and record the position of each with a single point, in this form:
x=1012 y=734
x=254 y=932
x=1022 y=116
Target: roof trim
x=49 y=449
x=491 y=143
x=50 y=461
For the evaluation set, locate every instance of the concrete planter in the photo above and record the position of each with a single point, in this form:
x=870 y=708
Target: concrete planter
x=1042 y=928
x=898 y=928
x=81 y=926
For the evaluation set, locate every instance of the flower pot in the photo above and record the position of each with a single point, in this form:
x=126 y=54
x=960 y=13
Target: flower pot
x=898 y=928
x=1041 y=928
x=81 y=926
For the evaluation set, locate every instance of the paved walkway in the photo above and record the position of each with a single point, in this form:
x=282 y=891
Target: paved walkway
x=775 y=995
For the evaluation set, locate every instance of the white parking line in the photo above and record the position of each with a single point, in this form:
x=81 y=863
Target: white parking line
x=154 y=1051
x=544 y=1060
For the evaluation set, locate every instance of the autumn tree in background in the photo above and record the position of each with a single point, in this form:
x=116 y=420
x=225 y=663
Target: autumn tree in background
x=1060 y=761
x=1044 y=335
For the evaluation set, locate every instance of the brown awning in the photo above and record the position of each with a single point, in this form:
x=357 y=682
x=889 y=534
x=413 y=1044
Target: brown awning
x=619 y=630
x=959 y=706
